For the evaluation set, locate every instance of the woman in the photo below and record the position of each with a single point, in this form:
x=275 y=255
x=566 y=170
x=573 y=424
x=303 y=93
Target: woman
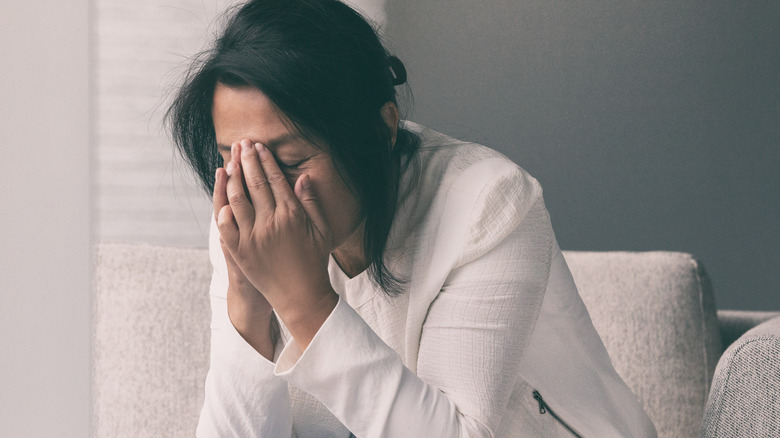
x=372 y=277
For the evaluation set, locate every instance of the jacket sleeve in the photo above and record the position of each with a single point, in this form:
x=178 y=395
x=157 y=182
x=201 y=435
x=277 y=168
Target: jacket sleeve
x=474 y=334
x=243 y=397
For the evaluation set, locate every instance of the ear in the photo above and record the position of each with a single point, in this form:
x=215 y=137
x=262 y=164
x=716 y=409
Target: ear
x=390 y=116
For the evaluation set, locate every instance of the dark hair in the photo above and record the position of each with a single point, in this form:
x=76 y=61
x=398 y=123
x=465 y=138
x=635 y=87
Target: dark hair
x=325 y=69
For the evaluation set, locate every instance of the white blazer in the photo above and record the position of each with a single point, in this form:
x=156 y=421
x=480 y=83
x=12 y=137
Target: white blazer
x=489 y=339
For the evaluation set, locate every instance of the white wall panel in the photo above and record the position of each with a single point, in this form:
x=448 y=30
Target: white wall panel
x=45 y=233
x=145 y=192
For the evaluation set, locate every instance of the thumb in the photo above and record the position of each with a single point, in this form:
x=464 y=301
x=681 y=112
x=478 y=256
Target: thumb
x=228 y=230
x=308 y=199
x=228 y=256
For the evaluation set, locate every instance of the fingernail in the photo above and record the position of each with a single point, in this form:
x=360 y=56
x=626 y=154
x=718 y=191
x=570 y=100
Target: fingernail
x=305 y=182
x=231 y=167
x=245 y=149
x=259 y=147
x=233 y=149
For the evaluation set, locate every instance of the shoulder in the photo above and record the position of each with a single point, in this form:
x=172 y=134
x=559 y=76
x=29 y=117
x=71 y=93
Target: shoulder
x=507 y=195
x=448 y=163
x=489 y=191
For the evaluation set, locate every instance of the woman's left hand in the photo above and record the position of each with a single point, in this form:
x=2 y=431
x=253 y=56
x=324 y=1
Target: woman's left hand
x=279 y=238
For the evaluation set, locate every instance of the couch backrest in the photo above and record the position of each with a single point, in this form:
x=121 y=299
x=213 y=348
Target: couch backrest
x=151 y=339
x=656 y=313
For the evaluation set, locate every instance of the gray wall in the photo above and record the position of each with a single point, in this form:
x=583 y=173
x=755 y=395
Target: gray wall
x=45 y=351
x=651 y=125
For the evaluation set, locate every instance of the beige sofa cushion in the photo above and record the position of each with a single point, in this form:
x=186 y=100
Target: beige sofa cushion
x=655 y=312
x=151 y=339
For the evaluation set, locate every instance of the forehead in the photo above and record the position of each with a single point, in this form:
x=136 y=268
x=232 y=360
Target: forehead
x=245 y=112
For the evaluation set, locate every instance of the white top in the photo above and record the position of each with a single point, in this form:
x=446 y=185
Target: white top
x=489 y=314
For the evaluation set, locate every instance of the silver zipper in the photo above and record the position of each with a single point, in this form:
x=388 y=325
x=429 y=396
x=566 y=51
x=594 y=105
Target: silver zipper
x=544 y=408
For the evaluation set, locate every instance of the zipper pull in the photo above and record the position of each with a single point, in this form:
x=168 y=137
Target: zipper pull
x=538 y=397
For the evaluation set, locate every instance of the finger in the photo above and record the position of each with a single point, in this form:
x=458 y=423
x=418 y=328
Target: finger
x=220 y=194
x=310 y=203
x=256 y=182
x=276 y=179
x=228 y=230
x=231 y=263
x=242 y=210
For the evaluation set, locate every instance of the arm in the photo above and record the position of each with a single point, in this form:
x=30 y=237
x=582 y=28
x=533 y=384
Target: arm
x=480 y=324
x=242 y=395
x=473 y=338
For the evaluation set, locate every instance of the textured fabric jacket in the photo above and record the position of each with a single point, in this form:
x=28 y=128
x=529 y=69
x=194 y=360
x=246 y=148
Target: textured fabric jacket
x=489 y=339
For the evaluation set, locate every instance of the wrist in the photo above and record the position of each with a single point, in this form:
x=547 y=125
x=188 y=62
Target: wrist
x=304 y=321
x=257 y=325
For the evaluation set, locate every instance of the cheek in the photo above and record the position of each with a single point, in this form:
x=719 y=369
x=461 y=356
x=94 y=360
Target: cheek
x=338 y=204
x=291 y=179
x=225 y=158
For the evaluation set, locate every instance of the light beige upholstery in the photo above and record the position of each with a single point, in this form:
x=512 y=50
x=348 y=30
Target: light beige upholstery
x=745 y=396
x=151 y=340
x=655 y=312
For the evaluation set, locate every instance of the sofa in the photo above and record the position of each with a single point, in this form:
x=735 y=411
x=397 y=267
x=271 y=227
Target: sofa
x=698 y=371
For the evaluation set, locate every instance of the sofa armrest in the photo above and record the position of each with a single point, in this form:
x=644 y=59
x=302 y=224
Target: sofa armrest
x=151 y=339
x=735 y=323
x=744 y=398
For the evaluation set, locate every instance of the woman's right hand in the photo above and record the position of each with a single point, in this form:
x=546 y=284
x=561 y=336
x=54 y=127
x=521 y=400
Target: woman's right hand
x=249 y=311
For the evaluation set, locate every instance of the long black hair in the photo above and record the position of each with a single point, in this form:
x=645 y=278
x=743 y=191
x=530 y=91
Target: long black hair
x=324 y=67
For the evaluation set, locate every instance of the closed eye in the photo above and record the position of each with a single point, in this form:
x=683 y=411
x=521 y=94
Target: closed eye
x=291 y=166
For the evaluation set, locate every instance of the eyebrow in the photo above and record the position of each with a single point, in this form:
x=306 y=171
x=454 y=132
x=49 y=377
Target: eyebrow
x=272 y=144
